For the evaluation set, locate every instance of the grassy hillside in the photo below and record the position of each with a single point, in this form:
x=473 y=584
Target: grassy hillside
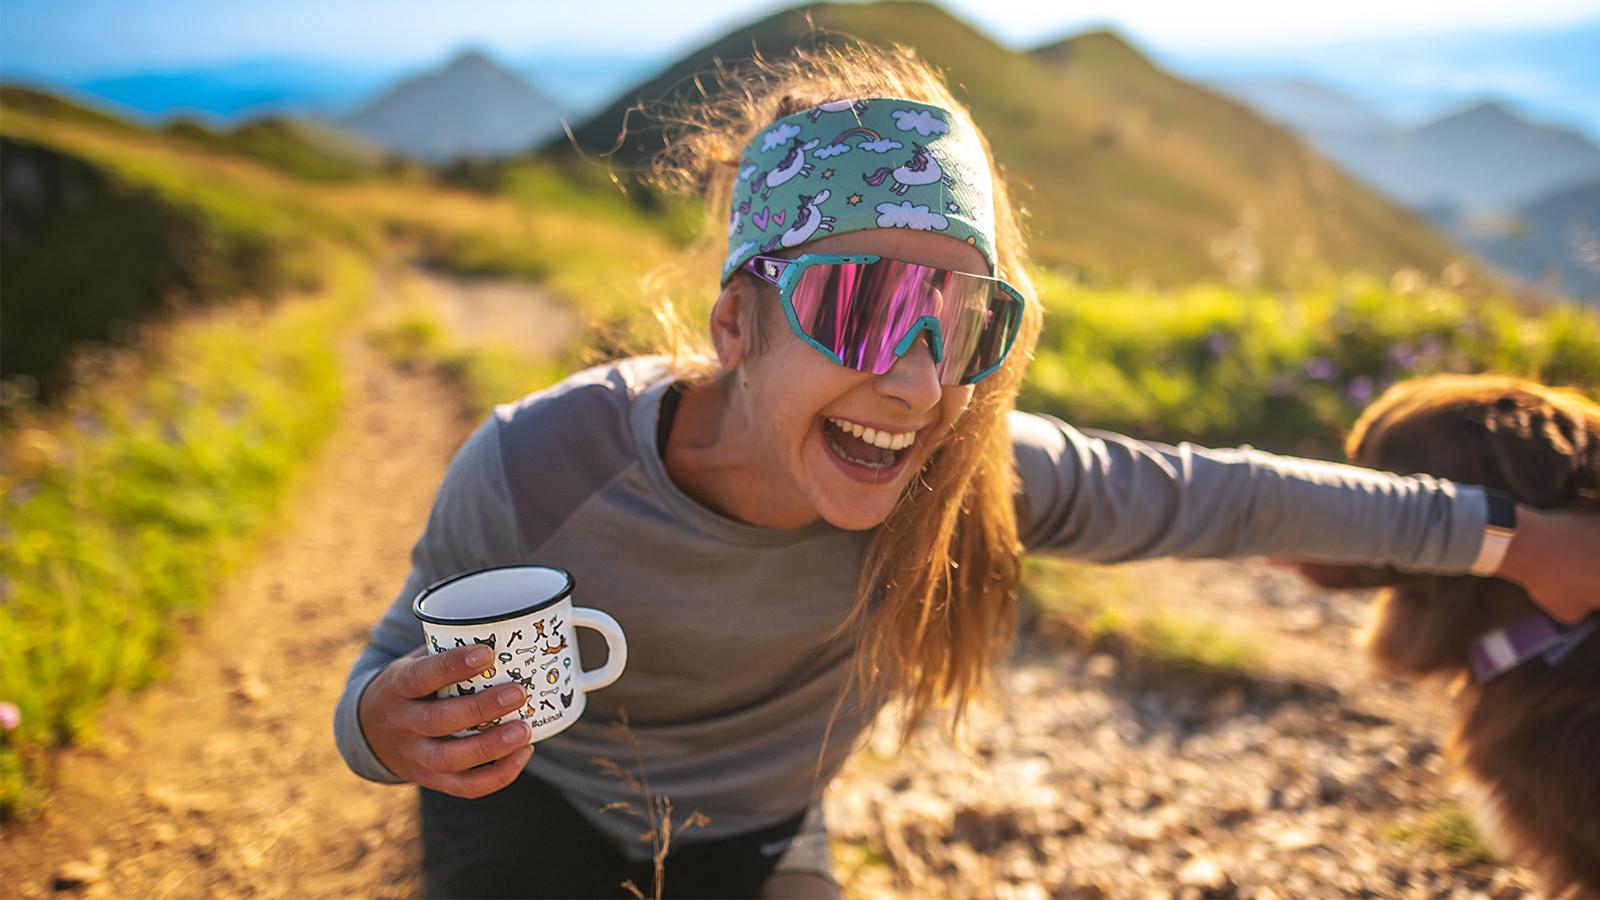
x=1126 y=171
x=185 y=214
x=81 y=237
x=132 y=492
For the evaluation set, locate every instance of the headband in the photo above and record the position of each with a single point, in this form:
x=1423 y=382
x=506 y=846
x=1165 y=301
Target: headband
x=850 y=165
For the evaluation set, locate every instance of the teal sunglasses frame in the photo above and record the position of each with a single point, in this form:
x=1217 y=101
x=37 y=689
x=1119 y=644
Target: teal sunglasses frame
x=785 y=274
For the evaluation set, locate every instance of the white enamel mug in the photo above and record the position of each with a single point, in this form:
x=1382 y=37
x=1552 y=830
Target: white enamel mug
x=525 y=615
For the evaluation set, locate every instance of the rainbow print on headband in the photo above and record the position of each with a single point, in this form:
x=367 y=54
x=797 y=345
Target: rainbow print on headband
x=850 y=165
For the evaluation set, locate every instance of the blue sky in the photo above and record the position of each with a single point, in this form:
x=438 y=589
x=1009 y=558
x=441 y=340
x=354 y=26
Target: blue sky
x=364 y=42
x=78 y=38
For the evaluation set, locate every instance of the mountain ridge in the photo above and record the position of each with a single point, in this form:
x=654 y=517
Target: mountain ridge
x=1124 y=169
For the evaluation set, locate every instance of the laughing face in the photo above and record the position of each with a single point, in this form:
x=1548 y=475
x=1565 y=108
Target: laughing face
x=789 y=435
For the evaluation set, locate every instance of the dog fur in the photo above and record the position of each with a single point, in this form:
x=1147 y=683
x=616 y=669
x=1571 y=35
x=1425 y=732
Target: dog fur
x=1528 y=742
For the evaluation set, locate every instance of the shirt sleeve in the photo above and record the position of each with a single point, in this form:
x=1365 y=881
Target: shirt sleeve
x=470 y=527
x=1104 y=497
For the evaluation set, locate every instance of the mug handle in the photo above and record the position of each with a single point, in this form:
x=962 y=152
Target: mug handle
x=616 y=648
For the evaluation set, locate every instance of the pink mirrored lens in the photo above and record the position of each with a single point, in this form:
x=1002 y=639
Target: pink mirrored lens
x=861 y=312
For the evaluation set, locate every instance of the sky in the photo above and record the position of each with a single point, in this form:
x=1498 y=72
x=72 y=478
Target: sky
x=80 y=38
x=1367 y=47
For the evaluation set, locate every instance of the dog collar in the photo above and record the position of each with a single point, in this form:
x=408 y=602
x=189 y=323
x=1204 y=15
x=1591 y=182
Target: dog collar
x=1504 y=649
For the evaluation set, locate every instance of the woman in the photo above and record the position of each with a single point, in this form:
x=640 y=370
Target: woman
x=824 y=509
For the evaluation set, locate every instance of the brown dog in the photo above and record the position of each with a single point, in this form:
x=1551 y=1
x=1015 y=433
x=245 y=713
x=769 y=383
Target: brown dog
x=1529 y=739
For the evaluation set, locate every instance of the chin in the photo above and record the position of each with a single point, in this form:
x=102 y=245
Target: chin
x=856 y=519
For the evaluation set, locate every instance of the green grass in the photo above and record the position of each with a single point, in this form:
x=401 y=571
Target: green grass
x=1446 y=828
x=128 y=503
x=1286 y=372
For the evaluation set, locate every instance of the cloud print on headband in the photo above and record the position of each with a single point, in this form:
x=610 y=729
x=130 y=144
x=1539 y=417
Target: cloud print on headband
x=919 y=167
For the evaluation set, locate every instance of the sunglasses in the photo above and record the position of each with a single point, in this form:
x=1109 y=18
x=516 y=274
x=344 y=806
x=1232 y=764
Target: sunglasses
x=865 y=312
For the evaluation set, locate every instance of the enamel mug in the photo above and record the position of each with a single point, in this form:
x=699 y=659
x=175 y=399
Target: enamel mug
x=525 y=615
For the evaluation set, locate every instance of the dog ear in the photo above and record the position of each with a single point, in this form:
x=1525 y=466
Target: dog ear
x=1543 y=454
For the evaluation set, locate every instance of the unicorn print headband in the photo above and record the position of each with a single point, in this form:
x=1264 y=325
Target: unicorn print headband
x=850 y=165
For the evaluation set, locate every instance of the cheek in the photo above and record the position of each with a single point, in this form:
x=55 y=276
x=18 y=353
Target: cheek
x=954 y=402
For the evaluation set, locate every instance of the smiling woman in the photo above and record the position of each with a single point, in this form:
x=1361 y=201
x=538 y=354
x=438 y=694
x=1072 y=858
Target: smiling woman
x=817 y=505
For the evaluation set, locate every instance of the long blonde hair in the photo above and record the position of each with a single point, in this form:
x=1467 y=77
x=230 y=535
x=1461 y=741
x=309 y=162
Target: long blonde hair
x=925 y=633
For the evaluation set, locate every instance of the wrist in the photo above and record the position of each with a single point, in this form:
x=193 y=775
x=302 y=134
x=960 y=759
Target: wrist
x=1517 y=563
x=1503 y=525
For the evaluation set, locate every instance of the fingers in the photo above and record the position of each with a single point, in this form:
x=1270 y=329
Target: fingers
x=425 y=676
x=486 y=780
x=460 y=754
x=442 y=717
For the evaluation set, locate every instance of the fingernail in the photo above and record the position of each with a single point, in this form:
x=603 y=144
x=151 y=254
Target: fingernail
x=478 y=657
x=511 y=694
x=517 y=735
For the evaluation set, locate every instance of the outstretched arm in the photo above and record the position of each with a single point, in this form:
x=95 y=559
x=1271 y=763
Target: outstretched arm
x=1104 y=497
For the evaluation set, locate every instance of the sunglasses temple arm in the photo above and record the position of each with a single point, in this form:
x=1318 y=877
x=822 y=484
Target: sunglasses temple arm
x=754 y=266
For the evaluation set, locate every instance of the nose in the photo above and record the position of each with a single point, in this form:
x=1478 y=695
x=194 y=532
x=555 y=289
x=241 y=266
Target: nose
x=913 y=380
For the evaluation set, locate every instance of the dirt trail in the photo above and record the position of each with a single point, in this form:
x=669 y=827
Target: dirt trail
x=223 y=779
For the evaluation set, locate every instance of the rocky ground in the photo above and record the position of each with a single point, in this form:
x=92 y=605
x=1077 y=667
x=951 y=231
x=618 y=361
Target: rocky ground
x=1089 y=776
x=1084 y=775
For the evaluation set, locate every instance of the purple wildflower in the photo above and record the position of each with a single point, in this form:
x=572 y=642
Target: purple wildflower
x=1219 y=342
x=1320 y=368
x=1360 y=389
x=1403 y=355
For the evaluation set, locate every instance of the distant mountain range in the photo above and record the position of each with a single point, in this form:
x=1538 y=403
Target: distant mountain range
x=1125 y=170
x=1546 y=71
x=471 y=107
x=1486 y=157
x=1519 y=193
x=1554 y=241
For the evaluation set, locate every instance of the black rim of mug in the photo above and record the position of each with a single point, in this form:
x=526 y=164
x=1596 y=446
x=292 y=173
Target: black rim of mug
x=564 y=593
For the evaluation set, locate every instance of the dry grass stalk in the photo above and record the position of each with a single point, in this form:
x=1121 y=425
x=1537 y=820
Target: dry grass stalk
x=657 y=812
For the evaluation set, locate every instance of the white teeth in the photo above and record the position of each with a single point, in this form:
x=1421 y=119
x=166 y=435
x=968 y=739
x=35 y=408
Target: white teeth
x=877 y=438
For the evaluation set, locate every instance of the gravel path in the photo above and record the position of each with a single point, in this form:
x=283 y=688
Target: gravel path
x=1088 y=777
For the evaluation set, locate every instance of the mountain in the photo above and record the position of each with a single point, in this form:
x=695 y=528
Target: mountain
x=1554 y=241
x=1546 y=68
x=1124 y=170
x=315 y=149
x=1305 y=106
x=1520 y=194
x=473 y=107
x=1483 y=158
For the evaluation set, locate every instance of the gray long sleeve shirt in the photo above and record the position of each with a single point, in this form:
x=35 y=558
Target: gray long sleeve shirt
x=730 y=680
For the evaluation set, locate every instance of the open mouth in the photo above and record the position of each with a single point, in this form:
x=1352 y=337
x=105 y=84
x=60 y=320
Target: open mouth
x=855 y=449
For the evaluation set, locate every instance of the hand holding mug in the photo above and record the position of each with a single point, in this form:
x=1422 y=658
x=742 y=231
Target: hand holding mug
x=409 y=728
x=502 y=670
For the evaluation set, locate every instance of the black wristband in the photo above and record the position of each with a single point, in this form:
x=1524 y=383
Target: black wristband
x=1502 y=509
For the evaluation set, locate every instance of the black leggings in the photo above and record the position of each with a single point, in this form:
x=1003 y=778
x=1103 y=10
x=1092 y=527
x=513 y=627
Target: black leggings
x=526 y=840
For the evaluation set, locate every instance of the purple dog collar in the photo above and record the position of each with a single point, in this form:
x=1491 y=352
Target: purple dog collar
x=1503 y=649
